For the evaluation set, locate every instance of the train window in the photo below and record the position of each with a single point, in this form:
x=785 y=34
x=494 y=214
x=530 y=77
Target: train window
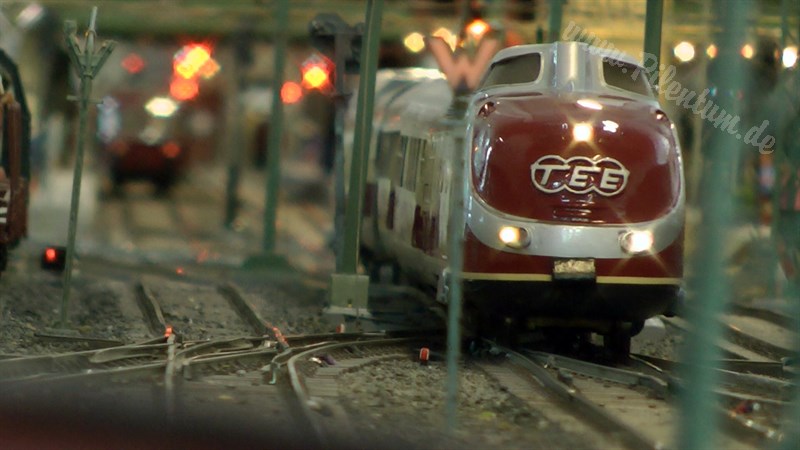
x=520 y=69
x=388 y=143
x=412 y=158
x=627 y=76
x=2 y=135
x=396 y=172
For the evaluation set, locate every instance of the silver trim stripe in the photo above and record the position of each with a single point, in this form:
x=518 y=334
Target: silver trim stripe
x=569 y=241
x=493 y=276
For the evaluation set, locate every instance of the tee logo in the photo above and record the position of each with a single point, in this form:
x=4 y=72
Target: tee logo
x=579 y=175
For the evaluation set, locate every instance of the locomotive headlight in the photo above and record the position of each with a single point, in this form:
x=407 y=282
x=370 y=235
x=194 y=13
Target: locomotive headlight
x=514 y=237
x=634 y=242
x=582 y=132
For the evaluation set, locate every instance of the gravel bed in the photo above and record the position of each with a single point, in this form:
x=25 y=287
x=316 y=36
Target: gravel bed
x=291 y=305
x=666 y=346
x=31 y=303
x=405 y=401
x=197 y=312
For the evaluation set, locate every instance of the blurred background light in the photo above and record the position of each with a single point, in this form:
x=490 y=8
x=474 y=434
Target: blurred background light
x=414 y=42
x=291 y=92
x=132 y=63
x=448 y=37
x=161 y=106
x=684 y=51
x=191 y=59
x=182 y=89
x=30 y=16
x=477 y=28
x=789 y=56
x=748 y=51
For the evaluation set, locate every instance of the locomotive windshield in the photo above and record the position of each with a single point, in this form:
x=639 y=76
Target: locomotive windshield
x=627 y=76
x=515 y=70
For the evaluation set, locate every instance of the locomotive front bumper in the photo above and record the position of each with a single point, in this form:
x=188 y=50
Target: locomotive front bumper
x=572 y=301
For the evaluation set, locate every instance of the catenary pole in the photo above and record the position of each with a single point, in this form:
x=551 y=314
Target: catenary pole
x=88 y=62
x=652 y=36
x=697 y=418
x=556 y=12
x=275 y=129
x=363 y=132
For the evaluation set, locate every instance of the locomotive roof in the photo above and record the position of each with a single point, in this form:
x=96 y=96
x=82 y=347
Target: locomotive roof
x=568 y=67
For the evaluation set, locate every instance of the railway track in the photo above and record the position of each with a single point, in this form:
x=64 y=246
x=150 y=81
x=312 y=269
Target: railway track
x=631 y=404
x=313 y=375
x=626 y=405
x=740 y=343
x=168 y=346
x=559 y=395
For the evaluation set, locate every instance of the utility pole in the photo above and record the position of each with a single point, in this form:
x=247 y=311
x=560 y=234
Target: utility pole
x=340 y=42
x=88 y=62
x=556 y=12
x=348 y=288
x=268 y=257
x=697 y=418
x=652 y=36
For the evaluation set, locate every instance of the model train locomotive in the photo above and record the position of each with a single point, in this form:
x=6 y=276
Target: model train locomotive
x=575 y=198
x=14 y=164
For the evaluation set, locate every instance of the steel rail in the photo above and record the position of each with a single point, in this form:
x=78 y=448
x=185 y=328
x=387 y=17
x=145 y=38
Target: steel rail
x=669 y=386
x=151 y=308
x=765 y=368
x=757 y=345
x=739 y=338
x=310 y=405
x=235 y=296
x=40 y=368
x=595 y=415
x=735 y=421
x=658 y=386
x=768 y=315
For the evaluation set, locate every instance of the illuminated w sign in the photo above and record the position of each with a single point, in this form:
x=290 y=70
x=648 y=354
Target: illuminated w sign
x=460 y=70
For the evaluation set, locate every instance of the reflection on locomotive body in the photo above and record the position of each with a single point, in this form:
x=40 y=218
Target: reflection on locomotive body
x=159 y=162
x=575 y=198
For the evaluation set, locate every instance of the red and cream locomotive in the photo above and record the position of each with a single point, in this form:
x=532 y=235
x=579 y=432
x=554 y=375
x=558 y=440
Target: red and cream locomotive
x=575 y=198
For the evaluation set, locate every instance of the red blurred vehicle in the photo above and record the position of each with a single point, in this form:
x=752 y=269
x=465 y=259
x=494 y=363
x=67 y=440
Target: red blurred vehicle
x=14 y=158
x=136 y=159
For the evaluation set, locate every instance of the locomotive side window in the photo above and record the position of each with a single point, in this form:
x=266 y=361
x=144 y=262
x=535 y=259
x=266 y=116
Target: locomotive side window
x=398 y=161
x=2 y=134
x=519 y=69
x=426 y=167
x=388 y=144
x=412 y=159
x=627 y=76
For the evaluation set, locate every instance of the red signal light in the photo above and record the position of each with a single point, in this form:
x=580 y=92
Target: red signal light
x=477 y=28
x=171 y=150
x=133 y=63
x=54 y=258
x=291 y=92
x=315 y=77
x=190 y=59
x=317 y=72
x=182 y=89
